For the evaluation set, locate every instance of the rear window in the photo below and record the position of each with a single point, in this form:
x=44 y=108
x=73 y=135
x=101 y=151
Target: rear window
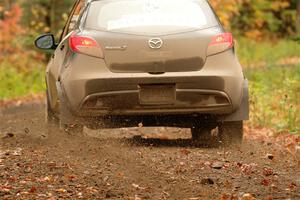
x=132 y=15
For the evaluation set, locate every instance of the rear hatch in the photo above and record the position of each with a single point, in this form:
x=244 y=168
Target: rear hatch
x=152 y=36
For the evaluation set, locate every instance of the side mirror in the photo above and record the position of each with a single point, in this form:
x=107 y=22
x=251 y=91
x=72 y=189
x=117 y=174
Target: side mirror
x=45 y=42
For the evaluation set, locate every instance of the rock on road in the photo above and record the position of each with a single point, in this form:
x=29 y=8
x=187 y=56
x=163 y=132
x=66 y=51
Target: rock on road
x=138 y=163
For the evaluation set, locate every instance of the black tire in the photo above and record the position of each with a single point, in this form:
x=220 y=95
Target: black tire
x=231 y=133
x=202 y=135
x=63 y=120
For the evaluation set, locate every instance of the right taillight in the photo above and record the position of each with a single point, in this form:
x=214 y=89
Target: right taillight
x=85 y=45
x=220 y=43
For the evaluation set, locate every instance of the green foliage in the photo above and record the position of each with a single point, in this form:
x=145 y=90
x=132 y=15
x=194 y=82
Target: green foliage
x=256 y=54
x=261 y=17
x=44 y=16
x=258 y=18
x=16 y=84
x=274 y=82
x=275 y=97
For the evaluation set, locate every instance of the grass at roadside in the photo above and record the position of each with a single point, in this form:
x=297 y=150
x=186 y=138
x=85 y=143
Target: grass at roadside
x=17 y=84
x=273 y=69
x=275 y=97
x=254 y=54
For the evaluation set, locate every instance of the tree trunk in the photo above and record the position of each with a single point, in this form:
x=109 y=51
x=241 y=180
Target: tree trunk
x=7 y=4
x=52 y=16
x=298 y=17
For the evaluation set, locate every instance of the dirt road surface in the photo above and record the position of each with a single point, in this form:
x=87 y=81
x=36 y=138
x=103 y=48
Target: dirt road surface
x=137 y=164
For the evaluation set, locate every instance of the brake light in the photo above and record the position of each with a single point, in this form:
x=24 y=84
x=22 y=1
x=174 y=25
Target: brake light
x=220 y=43
x=85 y=45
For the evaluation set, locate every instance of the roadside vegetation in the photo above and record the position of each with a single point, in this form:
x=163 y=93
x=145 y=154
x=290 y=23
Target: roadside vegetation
x=263 y=29
x=266 y=53
x=18 y=84
x=275 y=97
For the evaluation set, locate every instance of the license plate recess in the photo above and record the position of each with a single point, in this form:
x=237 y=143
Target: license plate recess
x=164 y=94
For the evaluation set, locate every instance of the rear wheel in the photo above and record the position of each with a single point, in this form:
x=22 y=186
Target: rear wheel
x=231 y=132
x=67 y=122
x=62 y=119
x=202 y=135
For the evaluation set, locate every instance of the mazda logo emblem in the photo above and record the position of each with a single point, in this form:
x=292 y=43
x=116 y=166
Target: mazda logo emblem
x=155 y=43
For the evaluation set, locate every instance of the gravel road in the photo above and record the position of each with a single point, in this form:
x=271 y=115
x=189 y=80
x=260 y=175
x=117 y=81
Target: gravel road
x=37 y=162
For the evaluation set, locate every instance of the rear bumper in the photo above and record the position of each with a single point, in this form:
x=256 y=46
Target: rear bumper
x=126 y=102
x=216 y=89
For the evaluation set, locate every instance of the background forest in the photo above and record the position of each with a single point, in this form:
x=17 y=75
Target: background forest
x=266 y=33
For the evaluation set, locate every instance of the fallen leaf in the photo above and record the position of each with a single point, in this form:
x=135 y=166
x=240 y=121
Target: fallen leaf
x=28 y=170
x=92 y=190
x=265 y=182
x=137 y=187
x=120 y=175
x=33 y=189
x=247 y=169
x=47 y=179
x=207 y=163
x=248 y=197
x=61 y=190
x=225 y=197
x=292 y=186
x=105 y=178
x=71 y=177
x=267 y=171
x=185 y=151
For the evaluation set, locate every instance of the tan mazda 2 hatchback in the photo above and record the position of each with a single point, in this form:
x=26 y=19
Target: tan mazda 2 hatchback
x=123 y=63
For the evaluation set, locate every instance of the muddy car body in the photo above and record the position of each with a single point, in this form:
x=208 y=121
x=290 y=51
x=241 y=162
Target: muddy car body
x=151 y=62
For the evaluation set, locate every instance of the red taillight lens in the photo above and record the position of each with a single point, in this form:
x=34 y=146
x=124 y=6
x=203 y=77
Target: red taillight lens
x=220 y=43
x=86 y=45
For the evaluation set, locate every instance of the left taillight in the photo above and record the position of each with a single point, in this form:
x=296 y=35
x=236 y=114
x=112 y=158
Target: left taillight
x=220 y=43
x=85 y=45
